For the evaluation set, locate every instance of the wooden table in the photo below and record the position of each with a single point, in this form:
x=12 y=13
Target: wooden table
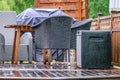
x=57 y=71
x=16 y=43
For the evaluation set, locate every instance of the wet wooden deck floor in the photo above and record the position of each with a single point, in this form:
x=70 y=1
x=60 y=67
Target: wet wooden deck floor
x=59 y=71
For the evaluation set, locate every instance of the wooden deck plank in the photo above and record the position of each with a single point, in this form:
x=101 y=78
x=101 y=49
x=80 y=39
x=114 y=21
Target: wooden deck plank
x=58 y=71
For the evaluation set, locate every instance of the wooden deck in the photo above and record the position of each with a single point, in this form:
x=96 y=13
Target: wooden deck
x=59 y=71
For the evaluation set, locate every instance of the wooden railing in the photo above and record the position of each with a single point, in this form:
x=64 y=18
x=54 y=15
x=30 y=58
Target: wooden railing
x=102 y=24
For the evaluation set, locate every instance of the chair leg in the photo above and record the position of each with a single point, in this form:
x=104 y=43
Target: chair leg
x=49 y=56
x=44 y=55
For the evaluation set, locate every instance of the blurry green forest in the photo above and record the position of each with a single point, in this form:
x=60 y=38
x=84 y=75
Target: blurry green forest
x=94 y=7
x=16 y=5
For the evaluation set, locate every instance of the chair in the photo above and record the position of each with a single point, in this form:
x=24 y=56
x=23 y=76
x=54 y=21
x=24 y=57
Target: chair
x=53 y=33
x=8 y=18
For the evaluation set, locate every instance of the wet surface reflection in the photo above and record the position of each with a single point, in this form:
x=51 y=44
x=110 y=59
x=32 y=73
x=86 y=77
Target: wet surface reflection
x=61 y=71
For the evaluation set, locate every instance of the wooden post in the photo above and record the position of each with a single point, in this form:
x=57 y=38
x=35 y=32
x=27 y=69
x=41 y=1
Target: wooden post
x=86 y=9
x=79 y=10
x=111 y=22
x=99 y=15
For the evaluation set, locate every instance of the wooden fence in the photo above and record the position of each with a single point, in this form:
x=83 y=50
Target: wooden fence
x=101 y=24
x=75 y=8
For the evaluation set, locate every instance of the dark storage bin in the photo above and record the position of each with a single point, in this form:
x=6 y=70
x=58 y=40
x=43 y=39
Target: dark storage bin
x=94 y=49
x=82 y=25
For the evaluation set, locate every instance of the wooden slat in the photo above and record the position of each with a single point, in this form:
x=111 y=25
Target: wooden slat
x=73 y=15
x=113 y=48
x=49 y=7
x=72 y=7
x=61 y=7
x=115 y=26
x=56 y=1
x=115 y=15
x=36 y=3
x=79 y=10
x=118 y=46
x=86 y=9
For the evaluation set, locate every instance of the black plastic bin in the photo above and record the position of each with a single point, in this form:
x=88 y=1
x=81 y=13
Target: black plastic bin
x=94 y=49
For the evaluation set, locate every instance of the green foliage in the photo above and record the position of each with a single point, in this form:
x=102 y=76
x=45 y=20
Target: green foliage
x=96 y=6
x=20 y=5
x=4 y=6
x=16 y=5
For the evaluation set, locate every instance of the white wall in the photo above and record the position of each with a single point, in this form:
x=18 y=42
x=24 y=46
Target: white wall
x=114 y=5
